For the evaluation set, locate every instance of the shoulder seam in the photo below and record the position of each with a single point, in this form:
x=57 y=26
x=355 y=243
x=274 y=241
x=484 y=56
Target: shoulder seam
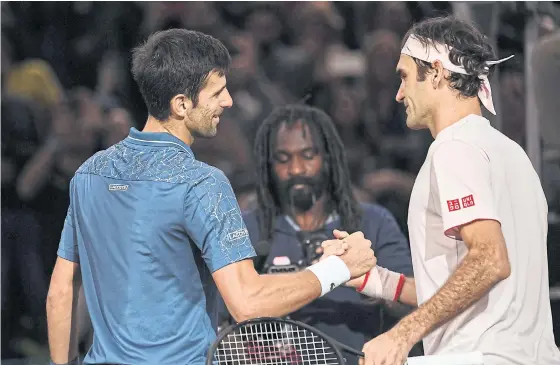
x=477 y=148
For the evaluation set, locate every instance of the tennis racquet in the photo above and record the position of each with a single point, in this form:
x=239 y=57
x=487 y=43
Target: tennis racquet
x=271 y=341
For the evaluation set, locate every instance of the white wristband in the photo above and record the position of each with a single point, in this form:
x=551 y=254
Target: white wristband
x=382 y=283
x=373 y=287
x=331 y=272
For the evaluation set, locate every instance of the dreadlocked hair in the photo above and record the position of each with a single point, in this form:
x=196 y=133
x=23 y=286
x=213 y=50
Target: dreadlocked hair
x=329 y=144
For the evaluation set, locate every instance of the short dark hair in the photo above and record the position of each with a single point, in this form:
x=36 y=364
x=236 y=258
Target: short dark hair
x=176 y=61
x=330 y=145
x=471 y=50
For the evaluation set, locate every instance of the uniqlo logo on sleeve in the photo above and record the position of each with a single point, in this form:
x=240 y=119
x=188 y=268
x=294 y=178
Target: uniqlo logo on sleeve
x=468 y=201
x=453 y=205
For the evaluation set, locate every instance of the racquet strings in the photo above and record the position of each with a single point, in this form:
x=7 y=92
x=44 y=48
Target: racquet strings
x=272 y=343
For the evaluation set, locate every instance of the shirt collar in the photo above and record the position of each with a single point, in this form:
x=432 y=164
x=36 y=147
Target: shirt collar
x=156 y=139
x=447 y=132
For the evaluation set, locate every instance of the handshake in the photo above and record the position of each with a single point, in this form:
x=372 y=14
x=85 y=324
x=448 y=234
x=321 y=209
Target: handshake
x=368 y=278
x=354 y=249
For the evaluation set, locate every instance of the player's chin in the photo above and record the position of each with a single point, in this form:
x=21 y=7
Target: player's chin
x=207 y=132
x=211 y=132
x=413 y=123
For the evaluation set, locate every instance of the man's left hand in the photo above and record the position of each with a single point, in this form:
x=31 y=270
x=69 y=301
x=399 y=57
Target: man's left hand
x=386 y=349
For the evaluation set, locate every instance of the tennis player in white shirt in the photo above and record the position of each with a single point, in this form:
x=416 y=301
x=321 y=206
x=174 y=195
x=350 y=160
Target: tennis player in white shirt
x=477 y=217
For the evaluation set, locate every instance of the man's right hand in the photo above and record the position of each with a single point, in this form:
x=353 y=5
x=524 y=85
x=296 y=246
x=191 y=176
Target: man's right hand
x=359 y=257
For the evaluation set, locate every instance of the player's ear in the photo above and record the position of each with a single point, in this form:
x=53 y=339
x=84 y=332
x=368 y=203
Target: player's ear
x=180 y=106
x=437 y=75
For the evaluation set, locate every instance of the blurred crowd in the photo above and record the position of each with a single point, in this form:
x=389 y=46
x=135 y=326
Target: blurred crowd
x=67 y=92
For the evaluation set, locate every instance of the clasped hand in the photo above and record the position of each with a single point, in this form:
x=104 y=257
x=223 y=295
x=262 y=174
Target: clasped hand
x=355 y=250
x=340 y=245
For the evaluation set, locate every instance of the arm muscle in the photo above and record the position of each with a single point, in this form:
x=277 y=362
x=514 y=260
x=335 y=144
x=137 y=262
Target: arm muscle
x=484 y=266
x=62 y=301
x=248 y=294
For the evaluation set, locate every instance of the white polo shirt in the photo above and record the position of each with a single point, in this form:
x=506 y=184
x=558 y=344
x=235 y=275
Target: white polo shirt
x=474 y=172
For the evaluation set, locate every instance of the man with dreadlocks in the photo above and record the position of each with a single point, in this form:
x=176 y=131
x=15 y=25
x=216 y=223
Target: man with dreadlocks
x=304 y=192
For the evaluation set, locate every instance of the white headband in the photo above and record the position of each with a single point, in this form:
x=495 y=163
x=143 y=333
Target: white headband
x=437 y=51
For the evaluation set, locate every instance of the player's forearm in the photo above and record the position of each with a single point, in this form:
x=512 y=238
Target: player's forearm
x=476 y=275
x=385 y=284
x=278 y=295
x=62 y=323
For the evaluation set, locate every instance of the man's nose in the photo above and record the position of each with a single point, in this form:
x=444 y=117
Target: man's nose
x=400 y=94
x=296 y=167
x=228 y=100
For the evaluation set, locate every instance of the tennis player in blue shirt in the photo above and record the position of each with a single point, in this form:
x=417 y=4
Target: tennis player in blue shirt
x=151 y=232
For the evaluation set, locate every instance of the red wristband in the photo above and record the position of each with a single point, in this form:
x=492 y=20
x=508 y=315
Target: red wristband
x=364 y=283
x=400 y=285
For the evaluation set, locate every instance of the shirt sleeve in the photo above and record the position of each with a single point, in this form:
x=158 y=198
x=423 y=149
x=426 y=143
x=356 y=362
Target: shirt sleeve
x=214 y=222
x=391 y=246
x=461 y=184
x=68 y=245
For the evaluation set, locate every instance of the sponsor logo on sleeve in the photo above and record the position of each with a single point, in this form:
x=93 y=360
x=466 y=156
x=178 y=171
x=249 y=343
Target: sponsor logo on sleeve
x=468 y=201
x=240 y=233
x=453 y=205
